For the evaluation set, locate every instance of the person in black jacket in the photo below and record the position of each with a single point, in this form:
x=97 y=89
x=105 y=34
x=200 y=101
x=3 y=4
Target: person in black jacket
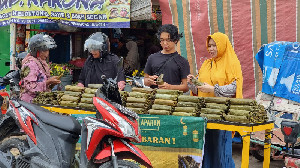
x=168 y=62
x=100 y=62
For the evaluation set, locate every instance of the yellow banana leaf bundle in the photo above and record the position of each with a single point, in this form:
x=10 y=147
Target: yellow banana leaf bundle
x=70 y=98
x=71 y=93
x=86 y=100
x=136 y=105
x=137 y=110
x=86 y=106
x=184 y=114
x=187 y=104
x=166 y=97
x=167 y=91
x=187 y=98
x=143 y=90
x=211 y=116
x=95 y=86
x=233 y=118
x=165 y=102
x=239 y=112
x=90 y=91
x=244 y=107
x=211 y=111
x=74 y=88
x=186 y=109
x=162 y=107
x=68 y=103
x=219 y=100
x=88 y=95
x=236 y=101
x=159 y=112
x=138 y=95
x=136 y=100
x=216 y=106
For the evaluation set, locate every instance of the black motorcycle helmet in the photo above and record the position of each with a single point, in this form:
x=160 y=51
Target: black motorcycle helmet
x=97 y=41
x=40 y=42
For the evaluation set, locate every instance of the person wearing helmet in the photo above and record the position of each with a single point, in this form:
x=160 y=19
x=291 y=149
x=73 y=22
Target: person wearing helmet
x=100 y=62
x=35 y=72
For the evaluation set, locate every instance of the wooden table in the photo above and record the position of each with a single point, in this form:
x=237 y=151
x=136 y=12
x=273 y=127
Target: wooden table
x=245 y=130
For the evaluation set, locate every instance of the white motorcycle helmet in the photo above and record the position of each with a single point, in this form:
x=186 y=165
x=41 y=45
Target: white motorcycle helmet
x=97 y=41
x=40 y=42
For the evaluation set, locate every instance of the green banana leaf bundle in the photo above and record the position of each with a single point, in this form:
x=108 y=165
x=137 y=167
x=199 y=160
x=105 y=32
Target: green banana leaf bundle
x=70 y=98
x=236 y=101
x=90 y=91
x=86 y=100
x=219 y=100
x=74 y=88
x=167 y=91
x=239 y=112
x=196 y=82
x=138 y=95
x=216 y=106
x=159 y=80
x=143 y=90
x=136 y=100
x=187 y=104
x=244 y=107
x=87 y=95
x=187 y=98
x=166 y=97
x=137 y=110
x=184 y=114
x=211 y=111
x=136 y=105
x=211 y=116
x=233 y=118
x=86 y=106
x=68 y=103
x=95 y=86
x=165 y=102
x=71 y=93
x=186 y=109
x=159 y=112
x=162 y=107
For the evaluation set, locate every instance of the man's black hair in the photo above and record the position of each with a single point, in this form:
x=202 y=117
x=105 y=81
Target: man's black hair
x=172 y=30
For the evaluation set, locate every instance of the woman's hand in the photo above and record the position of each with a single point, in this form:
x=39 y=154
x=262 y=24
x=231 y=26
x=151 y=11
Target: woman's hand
x=189 y=78
x=165 y=86
x=80 y=85
x=206 y=88
x=52 y=81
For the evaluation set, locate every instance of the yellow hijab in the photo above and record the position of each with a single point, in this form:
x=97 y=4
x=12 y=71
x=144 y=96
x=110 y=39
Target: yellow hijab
x=223 y=69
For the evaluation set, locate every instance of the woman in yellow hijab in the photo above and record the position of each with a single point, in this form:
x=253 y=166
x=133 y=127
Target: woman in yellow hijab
x=222 y=77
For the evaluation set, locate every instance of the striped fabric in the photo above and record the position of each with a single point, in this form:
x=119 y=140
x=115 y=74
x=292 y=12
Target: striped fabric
x=248 y=24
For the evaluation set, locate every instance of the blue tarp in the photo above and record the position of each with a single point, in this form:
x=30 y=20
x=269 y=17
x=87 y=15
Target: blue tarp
x=280 y=65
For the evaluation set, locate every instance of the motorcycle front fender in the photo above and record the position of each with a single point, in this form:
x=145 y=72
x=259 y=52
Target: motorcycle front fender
x=123 y=150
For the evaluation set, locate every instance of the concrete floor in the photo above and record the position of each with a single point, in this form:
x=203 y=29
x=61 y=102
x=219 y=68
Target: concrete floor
x=253 y=163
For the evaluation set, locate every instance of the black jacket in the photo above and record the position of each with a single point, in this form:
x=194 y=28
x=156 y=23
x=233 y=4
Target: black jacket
x=94 y=68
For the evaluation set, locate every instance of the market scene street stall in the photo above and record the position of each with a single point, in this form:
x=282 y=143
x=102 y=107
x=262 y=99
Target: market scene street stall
x=152 y=83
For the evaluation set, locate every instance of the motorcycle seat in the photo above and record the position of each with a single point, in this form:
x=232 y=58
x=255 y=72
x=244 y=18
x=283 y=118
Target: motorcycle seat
x=63 y=122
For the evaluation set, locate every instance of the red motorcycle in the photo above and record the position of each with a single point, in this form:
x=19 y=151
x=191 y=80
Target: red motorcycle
x=51 y=138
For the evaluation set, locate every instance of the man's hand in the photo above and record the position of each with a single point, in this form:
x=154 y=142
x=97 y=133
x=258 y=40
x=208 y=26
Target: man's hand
x=150 y=80
x=165 y=86
x=121 y=85
x=206 y=88
x=189 y=78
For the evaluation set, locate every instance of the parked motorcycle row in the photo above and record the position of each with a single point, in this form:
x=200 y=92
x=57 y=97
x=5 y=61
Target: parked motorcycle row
x=51 y=138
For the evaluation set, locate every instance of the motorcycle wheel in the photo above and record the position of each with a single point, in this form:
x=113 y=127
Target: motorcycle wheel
x=7 y=127
x=121 y=164
x=12 y=150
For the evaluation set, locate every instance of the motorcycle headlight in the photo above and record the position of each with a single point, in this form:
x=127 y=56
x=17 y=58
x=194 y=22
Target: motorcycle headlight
x=126 y=128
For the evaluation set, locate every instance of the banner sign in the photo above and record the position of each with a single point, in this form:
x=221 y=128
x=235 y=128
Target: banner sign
x=78 y=13
x=172 y=141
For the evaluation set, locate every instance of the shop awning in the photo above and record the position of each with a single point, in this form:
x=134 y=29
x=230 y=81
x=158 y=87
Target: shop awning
x=78 y=13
